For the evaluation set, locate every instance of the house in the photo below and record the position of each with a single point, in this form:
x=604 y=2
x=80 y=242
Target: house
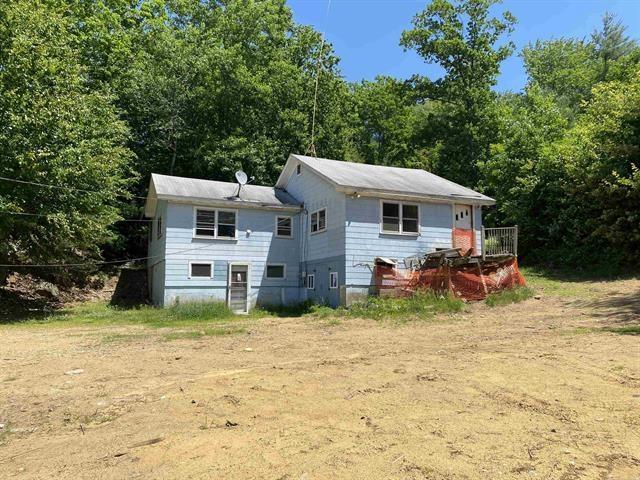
x=314 y=235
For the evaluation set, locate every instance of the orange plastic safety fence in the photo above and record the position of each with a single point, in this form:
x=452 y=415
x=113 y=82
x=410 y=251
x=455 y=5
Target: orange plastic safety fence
x=471 y=282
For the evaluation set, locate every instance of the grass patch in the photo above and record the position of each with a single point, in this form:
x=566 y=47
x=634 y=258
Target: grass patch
x=101 y=313
x=566 y=283
x=509 y=296
x=207 y=332
x=421 y=305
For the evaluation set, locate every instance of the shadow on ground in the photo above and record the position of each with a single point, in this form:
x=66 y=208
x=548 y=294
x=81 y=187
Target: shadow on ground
x=617 y=309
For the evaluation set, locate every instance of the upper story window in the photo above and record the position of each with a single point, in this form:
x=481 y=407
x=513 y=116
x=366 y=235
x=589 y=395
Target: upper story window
x=319 y=221
x=210 y=223
x=284 y=227
x=159 y=228
x=401 y=218
x=299 y=169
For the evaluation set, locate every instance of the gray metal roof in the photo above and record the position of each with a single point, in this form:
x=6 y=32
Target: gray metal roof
x=401 y=181
x=197 y=190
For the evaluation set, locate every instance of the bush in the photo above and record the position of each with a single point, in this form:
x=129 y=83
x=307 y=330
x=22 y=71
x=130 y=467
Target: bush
x=506 y=297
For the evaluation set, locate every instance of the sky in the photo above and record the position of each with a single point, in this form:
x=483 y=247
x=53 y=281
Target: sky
x=365 y=33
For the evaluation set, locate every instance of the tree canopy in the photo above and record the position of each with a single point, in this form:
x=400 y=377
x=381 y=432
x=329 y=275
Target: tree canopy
x=97 y=95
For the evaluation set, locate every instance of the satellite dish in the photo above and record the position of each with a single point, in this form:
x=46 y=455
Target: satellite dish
x=241 y=177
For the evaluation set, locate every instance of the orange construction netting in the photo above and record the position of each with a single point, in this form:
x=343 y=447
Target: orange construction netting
x=471 y=282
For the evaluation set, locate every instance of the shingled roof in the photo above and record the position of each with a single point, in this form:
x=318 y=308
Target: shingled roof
x=211 y=192
x=364 y=178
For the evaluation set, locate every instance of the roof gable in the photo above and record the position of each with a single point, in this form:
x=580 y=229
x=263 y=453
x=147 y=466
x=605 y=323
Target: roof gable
x=378 y=179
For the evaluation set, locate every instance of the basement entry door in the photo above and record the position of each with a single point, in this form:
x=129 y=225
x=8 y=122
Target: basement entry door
x=239 y=287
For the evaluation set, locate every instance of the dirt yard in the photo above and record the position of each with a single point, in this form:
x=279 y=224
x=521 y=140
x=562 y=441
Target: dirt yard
x=523 y=391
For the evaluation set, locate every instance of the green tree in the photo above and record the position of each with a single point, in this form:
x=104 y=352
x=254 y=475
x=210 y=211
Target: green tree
x=463 y=38
x=54 y=129
x=611 y=43
x=386 y=121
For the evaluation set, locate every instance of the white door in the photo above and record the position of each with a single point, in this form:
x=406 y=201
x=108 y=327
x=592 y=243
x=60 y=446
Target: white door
x=238 y=287
x=462 y=217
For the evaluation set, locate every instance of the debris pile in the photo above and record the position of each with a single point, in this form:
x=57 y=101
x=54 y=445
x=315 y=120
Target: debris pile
x=465 y=276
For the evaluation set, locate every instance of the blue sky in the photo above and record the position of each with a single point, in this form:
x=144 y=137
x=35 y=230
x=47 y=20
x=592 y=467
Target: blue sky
x=366 y=33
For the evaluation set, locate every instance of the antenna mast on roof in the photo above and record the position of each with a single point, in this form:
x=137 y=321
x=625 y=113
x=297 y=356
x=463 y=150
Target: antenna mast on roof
x=311 y=149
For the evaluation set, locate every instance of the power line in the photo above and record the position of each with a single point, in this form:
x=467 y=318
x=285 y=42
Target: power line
x=93 y=263
x=312 y=146
x=27 y=214
x=269 y=225
x=64 y=187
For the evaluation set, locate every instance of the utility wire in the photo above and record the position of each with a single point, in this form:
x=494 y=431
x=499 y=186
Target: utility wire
x=64 y=187
x=50 y=214
x=312 y=146
x=107 y=262
x=267 y=225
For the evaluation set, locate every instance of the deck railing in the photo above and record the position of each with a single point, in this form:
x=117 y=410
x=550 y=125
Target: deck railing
x=499 y=241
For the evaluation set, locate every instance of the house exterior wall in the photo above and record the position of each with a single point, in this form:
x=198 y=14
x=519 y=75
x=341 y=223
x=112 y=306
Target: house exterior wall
x=257 y=248
x=320 y=252
x=364 y=241
x=348 y=246
x=156 y=262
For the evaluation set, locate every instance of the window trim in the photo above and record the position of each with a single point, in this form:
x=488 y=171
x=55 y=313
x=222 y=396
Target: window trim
x=215 y=225
x=190 y=276
x=284 y=271
x=331 y=275
x=400 y=218
x=326 y=217
x=278 y=217
x=313 y=276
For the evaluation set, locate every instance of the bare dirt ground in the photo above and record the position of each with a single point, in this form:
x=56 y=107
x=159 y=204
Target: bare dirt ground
x=511 y=392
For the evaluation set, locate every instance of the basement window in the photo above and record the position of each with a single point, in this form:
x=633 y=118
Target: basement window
x=200 y=269
x=333 y=280
x=276 y=271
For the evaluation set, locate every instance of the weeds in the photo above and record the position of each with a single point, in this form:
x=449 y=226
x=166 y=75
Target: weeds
x=511 y=295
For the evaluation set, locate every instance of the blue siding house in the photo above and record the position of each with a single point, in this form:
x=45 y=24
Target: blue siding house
x=315 y=235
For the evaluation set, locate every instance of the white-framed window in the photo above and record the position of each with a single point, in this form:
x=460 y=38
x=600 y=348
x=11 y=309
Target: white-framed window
x=311 y=281
x=400 y=218
x=284 y=226
x=275 y=270
x=159 y=228
x=199 y=269
x=299 y=169
x=319 y=220
x=214 y=223
x=333 y=280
